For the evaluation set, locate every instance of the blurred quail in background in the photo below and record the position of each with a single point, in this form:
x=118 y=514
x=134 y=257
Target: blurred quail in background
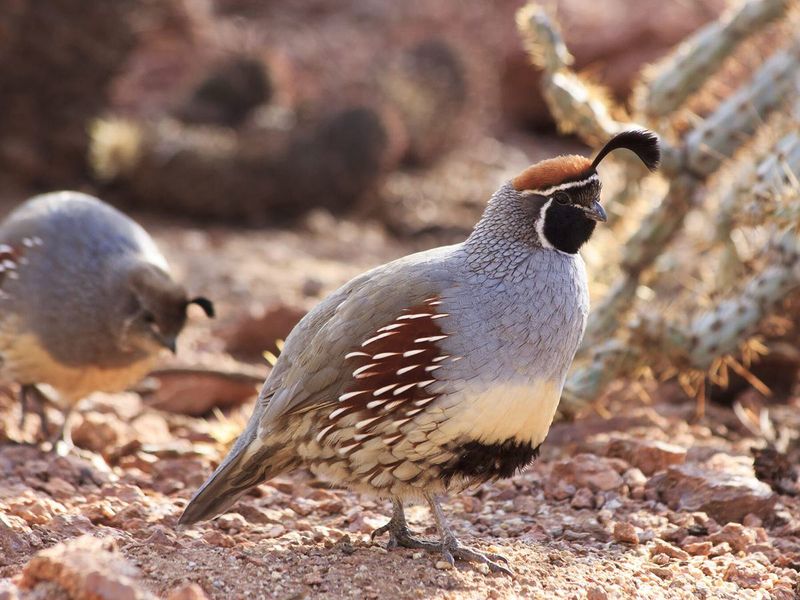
x=440 y=370
x=86 y=300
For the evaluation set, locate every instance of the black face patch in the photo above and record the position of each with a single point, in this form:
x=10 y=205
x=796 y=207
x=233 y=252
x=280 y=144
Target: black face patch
x=567 y=227
x=481 y=462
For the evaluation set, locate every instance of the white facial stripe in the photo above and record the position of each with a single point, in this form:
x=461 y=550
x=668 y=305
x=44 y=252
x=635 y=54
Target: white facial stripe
x=539 y=225
x=563 y=186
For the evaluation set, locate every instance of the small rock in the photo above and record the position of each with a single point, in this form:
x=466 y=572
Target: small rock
x=583 y=498
x=699 y=548
x=634 y=478
x=737 y=536
x=471 y=504
x=583 y=470
x=84 y=568
x=482 y=568
x=625 y=533
x=751 y=520
x=443 y=565
x=720 y=549
x=188 y=591
x=662 y=547
x=744 y=575
x=596 y=593
x=662 y=572
x=217 y=538
x=231 y=522
x=723 y=496
x=649 y=456
x=660 y=559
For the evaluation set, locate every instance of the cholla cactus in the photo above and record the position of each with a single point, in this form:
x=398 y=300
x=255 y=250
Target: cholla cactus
x=733 y=166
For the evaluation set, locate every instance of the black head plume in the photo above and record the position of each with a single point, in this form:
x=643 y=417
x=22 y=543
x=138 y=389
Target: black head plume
x=642 y=142
x=205 y=304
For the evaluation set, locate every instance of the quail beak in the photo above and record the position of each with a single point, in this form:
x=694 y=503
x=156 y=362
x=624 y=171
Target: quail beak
x=170 y=343
x=596 y=212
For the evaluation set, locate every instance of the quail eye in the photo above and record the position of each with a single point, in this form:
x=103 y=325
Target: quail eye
x=562 y=198
x=149 y=318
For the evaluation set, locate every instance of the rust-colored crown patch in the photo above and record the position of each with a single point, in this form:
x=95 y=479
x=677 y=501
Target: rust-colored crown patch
x=550 y=172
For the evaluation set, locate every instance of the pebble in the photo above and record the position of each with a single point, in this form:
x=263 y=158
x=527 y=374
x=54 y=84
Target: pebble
x=625 y=533
x=443 y=565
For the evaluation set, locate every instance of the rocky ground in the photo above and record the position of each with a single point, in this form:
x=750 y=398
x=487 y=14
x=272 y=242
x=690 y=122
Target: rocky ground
x=637 y=499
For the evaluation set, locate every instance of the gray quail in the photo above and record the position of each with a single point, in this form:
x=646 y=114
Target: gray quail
x=86 y=300
x=439 y=370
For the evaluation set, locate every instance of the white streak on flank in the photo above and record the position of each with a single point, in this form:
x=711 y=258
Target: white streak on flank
x=441 y=358
x=435 y=303
x=322 y=433
x=360 y=370
x=380 y=336
x=355 y=354
x=424 y=384
x=403 y=388
x=424 y=401
x=414 y=316
x=433 y=368
x=563 y=186
x=348 y=448
x=364 y=422
x=384 y=389
x=394 y=404
x=410 y=353
x=337 y=412
x=375 y=403
x=6 y=249
x=392 y=327
x=27 y=242
x=383 y=355
x=440 y=316
x=392 y=439
x=407 y=369
x=456 y=358
x=401 y=422
x=9 y=264
x=349 y=395
x=433 y=338
x=413 y=412
x=360 y=437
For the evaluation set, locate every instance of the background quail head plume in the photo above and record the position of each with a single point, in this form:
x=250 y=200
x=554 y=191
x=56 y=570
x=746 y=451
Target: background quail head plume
x=439 y=370
x=86 y=299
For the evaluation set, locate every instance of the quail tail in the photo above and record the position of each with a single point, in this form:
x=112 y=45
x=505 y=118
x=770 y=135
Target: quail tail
x=249 y=463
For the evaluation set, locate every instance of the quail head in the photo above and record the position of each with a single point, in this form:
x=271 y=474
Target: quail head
x=439 y=370
x=86 y=299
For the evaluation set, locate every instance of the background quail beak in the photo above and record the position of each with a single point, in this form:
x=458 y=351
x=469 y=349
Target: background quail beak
x=596 y=212
x=170 y=343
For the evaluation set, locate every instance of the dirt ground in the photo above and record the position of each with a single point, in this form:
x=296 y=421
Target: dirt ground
x=643 y=502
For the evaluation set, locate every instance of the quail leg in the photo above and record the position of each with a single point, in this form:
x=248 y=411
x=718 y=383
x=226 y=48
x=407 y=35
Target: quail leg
x=452 y=549
x=399 y=534
x=30 y=393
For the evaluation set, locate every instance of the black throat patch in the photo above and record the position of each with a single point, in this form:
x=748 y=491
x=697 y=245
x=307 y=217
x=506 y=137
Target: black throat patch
x=566 y=227
x=481 y=462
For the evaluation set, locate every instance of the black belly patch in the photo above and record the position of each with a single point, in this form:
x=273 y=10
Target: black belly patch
x=481 y=462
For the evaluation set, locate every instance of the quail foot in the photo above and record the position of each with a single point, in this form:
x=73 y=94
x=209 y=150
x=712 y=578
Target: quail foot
x=437 y=371
x=86 y=301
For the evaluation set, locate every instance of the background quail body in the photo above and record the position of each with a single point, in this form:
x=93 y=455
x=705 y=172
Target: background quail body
x=86 y=299
x=438 y=370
